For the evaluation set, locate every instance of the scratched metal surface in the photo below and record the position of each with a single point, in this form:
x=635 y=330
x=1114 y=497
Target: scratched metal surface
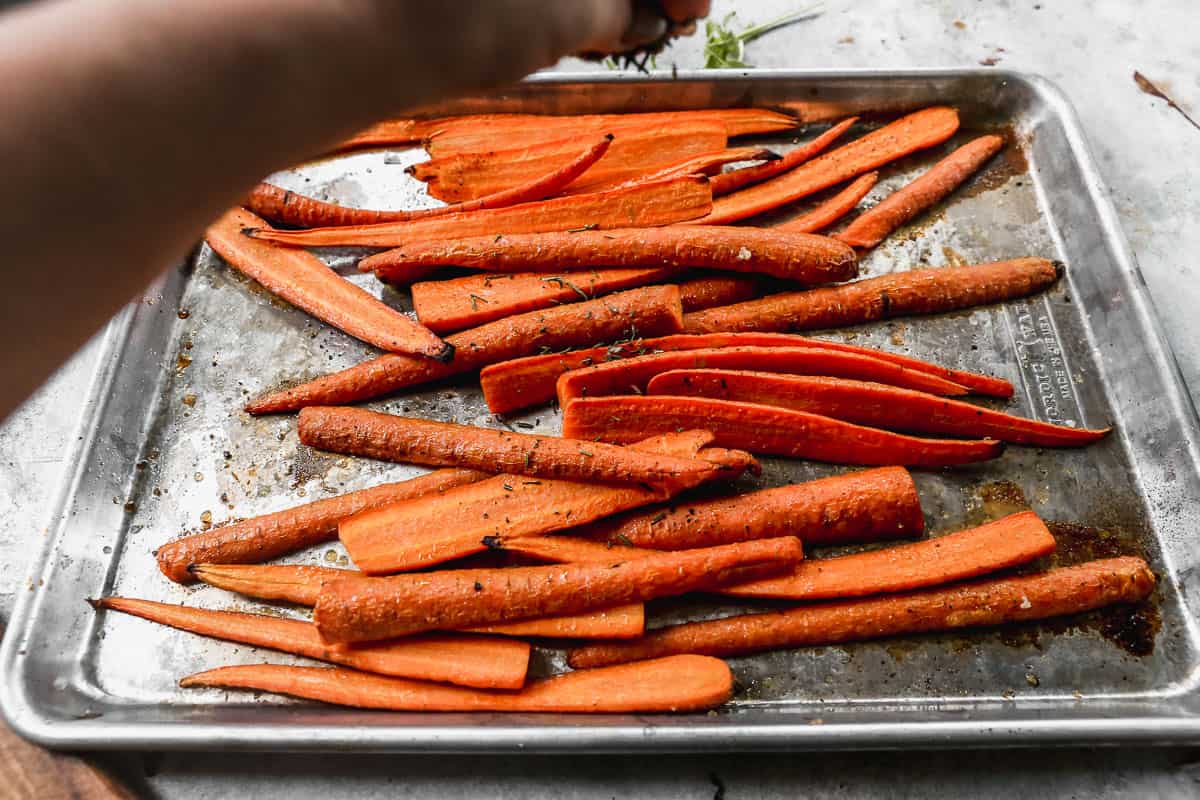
x=167 y=449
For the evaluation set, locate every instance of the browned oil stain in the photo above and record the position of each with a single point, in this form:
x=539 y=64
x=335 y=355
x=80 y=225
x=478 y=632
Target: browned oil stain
x=1150 y=88
x=182 y=362
x=309 y=464
x=1010 y=164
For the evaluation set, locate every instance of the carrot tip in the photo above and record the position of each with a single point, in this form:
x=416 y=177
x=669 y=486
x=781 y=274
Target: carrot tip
x=1060 y=268
x=95 y=603
x=251 y=232
x=609 y=136
x=446 y=355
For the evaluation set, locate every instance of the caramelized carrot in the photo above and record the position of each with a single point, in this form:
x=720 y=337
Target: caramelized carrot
x=732 y=181
x=305 y=282
x=706 y=163
x=568 y=549
x=390 y=132
x=464 y=660
x=1058 y=592
x=619 y=622
x=834 y=208
x=698 y=294
x=921 y=291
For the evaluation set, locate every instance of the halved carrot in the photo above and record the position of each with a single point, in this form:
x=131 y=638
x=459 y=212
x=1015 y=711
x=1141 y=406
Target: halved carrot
x=700 y=293
x=305 y=282
x=706 y=163
x=273 y=535
x=466 y=660
x=921 y=291
x=834 y=208
x=737 y=179
x=917 y=131
x=766 y=430
x=1058 y=592
x=567 y=549
x=390 y=132
x=801 y=257
x=684 y=683
x=874 y=225
x=653 y=310
x=871 y=404
x=644 y=205
x=619 y=622
x=362 y=609
x=1007 y=542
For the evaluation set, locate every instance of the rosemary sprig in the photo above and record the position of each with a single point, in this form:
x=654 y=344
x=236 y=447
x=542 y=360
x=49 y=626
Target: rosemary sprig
x=723 y=48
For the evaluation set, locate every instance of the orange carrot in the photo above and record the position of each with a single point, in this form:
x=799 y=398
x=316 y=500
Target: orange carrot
x=870 y=404
x=917 y=131
x=1007 y=542
x=834 y=208
x=305 y=282
x=568 y=549
x=732 y=181
x=650 y=311
x=273 y=535
x=800 y=257
x=465 y=660
x=698 y=294
x=684 y=683
x=921 y=291
x=766 y=430
x=619 y=622
x=1058 y=592
x=706 y=163
x=359 y=609
x=390 y=132
x=873 y=226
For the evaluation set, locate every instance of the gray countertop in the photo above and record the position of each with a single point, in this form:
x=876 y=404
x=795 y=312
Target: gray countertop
x=1147 y=152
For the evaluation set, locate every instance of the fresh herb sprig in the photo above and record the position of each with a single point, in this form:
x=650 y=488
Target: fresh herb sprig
x=725 y=48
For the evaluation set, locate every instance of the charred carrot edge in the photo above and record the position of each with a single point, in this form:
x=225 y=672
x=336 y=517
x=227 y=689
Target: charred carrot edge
x=464 y=660
x=367 y=609
x=801 y=257
x=767 y=430
x=647 y=204
x=273 y=535
x=1007 y=542
x=1058 y=592
x=917 y=131
x=732 y=181
x=683 y=683
x=707 y=163
x=924 y=291
x=873 y=226
x=653 y=310
x=870 y=404
x=698 y=294
x=305 y=282
x=834 y=208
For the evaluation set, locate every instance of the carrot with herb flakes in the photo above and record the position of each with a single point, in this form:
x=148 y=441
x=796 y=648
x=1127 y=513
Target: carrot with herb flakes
x=706 y=163
x=683 y=683
x=834 y=208
x=738 y=179
x=305 y=282
x=272 y=535
x=766 y=430
x=359 y=609
x=700 y=293
x=652 y=311
x=873 y=226
x=921 y=291
x=1056 y=593
x=465 y=660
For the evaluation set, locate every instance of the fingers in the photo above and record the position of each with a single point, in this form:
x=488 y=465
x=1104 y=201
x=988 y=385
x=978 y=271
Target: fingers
x=686 y=10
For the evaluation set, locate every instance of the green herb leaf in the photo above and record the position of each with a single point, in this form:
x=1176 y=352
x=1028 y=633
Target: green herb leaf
x=725 y=49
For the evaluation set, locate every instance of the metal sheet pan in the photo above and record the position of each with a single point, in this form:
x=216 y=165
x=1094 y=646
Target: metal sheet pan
x=166 y=448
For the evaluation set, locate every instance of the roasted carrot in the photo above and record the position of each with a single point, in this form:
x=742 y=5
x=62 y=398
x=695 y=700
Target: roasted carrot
x=390 y=132
x=644 y=205
x=698 y=294
x=305 y=282
x=874 y=225
x=568 y=549
x=706 y=163
x=801 y=257
x=683 y=683
x=619 y=622
x=737 y=179
x=273 y=535
x=1058 y=592
x=652 y=310
x=921 y=291
x=917 y=131
x=870 y=404
x=766 y=430
x=458 y=303
x=359 y=609
x=834 y=208
x=466 y=660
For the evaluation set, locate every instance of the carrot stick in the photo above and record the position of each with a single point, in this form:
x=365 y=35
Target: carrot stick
x=653 y=310
x=732 y=181
x=365 y=609
x=451 y=305
x=644 y=205
x=970 y=553
x=870 y=404
x=273 y=535
x=568 y=549
x=921 y=291
x=698 y=294
x=873 y=226
x=766 y=430
x=917 y=131
x=834 y=208
x=465 y=660
x=684 y=683
x=1058 y=592
x=619 y=622
x=706 y=163
x=305 y=282
x=389 y=132
x=799 y=257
